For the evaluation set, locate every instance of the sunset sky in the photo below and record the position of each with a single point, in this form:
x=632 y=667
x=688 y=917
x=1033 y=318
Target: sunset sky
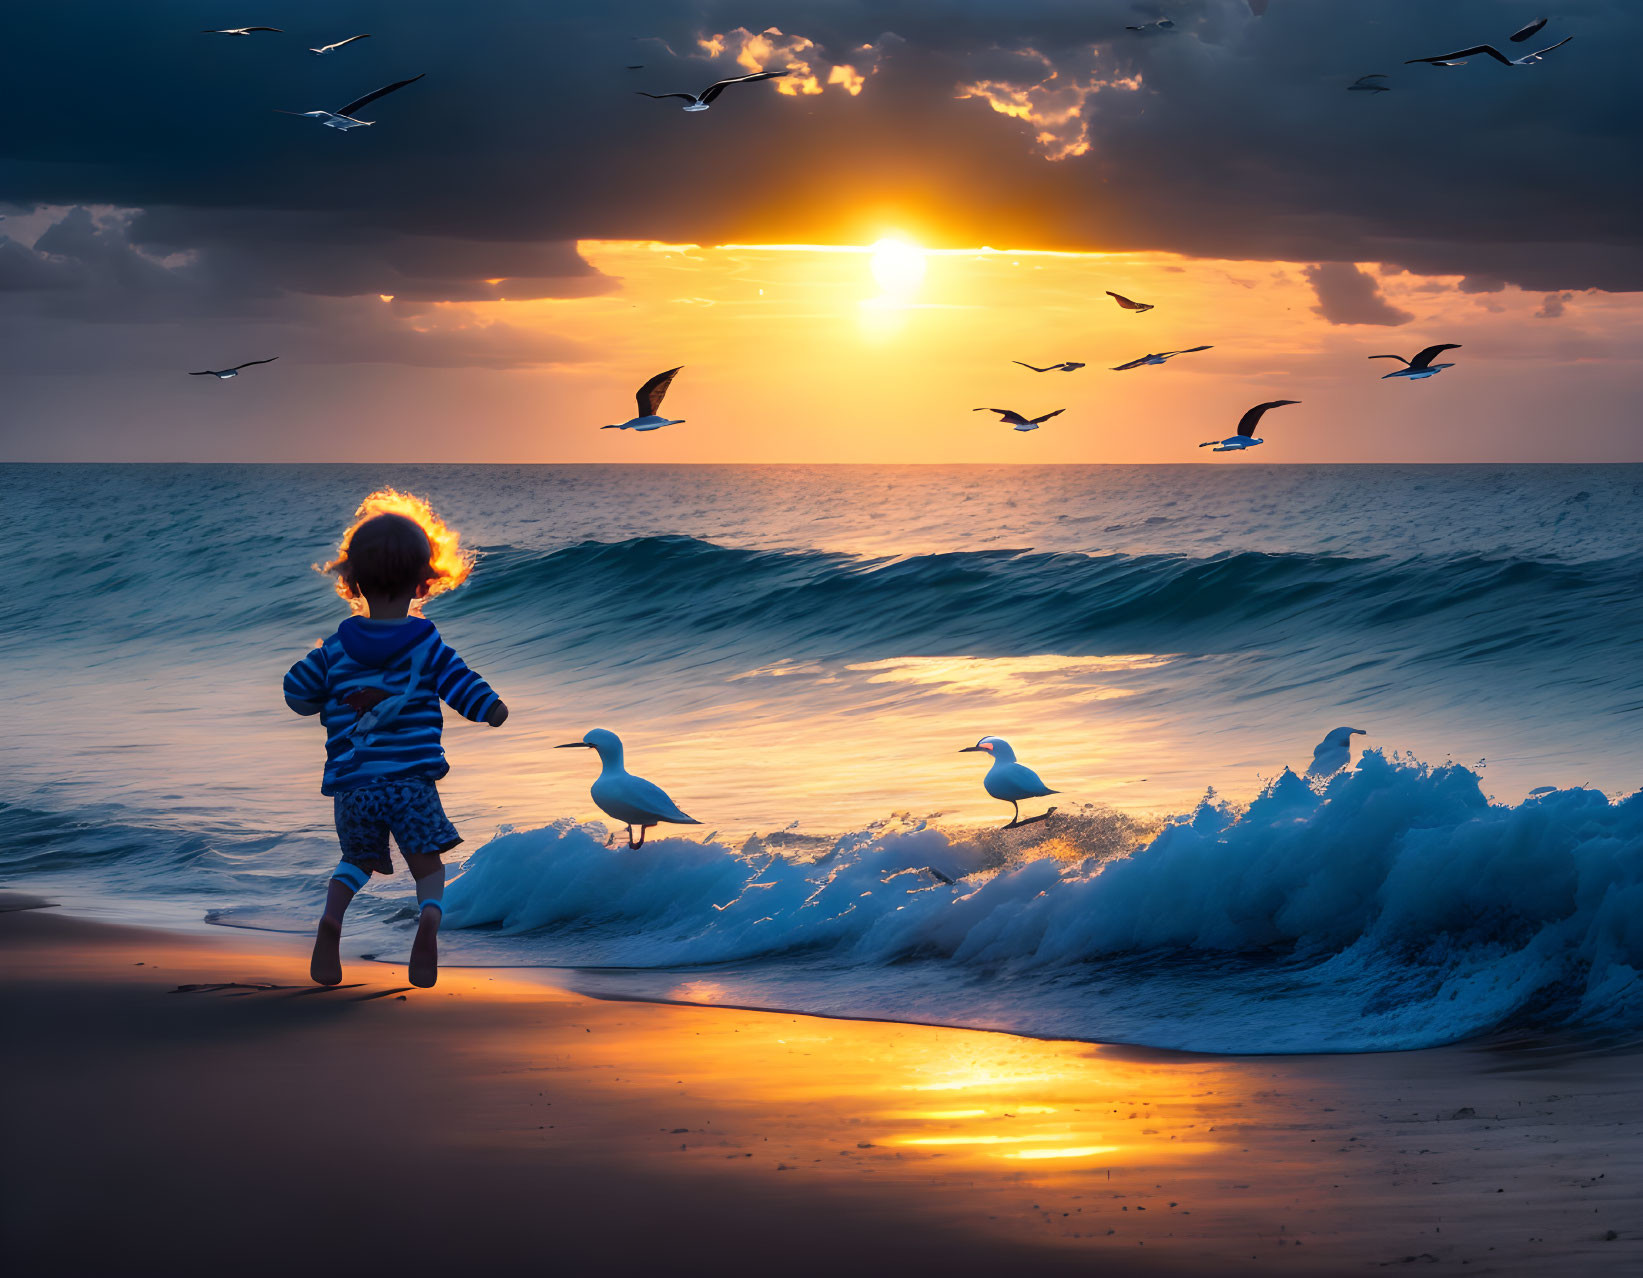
x=845 y=261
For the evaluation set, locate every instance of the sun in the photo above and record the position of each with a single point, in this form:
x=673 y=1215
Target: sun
x=898 y=268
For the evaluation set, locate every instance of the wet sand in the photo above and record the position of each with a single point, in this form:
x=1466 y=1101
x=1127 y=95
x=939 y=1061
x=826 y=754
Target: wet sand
x=256 y=1123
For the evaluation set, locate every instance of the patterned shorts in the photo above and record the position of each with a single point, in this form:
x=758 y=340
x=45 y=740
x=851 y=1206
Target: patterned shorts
x=409 y=810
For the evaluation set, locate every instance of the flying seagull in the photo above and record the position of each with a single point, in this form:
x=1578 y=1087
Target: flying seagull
x=1458 y=58
x=618 y=793
x=1523 y=33
x=1127 y=304
x=1159 y=358
x=1421 y=367
x=701 y=101
x=1012 y=418
x=1008 y=780
x=1363 y=84
x=343 y=117
x=650 y=402
x=1066 y=366
x=1245 y=438
x=327 y=48
x=223 y=374
x=240 y=30
x=1163 y=24
x=1334 y=752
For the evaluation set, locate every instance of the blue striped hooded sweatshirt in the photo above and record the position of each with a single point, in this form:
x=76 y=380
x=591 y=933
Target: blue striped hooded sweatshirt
x=376 y=686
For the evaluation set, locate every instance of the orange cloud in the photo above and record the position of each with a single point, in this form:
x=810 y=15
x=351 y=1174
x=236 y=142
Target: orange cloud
x=1054 y=103
x=809 y=73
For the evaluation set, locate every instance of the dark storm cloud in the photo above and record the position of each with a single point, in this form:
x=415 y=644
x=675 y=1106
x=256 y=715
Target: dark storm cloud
x=1238 y=141
x=1347 y=295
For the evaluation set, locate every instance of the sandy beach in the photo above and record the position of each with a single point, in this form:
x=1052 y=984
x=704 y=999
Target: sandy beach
x=214 y=1107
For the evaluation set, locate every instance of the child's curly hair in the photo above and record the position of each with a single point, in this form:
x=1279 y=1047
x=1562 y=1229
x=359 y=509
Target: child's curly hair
x=396 y=543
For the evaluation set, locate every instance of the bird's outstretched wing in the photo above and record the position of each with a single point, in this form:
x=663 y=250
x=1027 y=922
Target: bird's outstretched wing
x=688 y=97
x=250 y=362
x=1057 y=413
x=1127 y=304
x=1248 y=422
x=360 y=103
x=239 y=30
x=1538 y=54
x=1188 y=351
x=1523 y=33
x=1035 y=367
x=1460 y=55
x=1134 y=363
x=1008 y=415
x=714 y=90
x=1431 y=353
x=650 y=394
x=209 y=372
x=1399 y=358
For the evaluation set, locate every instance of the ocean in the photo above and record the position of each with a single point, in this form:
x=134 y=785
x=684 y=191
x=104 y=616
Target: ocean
x=797 y=654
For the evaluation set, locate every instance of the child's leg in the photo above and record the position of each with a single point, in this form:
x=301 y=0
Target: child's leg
x=429 y=872
x=326 y=965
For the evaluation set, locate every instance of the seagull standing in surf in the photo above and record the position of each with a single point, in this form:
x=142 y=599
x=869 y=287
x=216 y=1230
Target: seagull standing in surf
x=619 y=794
x=1012 y=418
x=1159 y=358
x=331 y=48
x=1421 y=367
x=649 y=401
x=1245 y=438
x=223 y=374
x=1334 y=752
x=1009 y=781
x=343 y=117
x=701 y=101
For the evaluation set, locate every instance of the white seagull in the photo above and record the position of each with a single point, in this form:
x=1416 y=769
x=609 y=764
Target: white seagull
x=1065 y=366
x=1245 y=438
x=1159 y=358
x=1010 y=781
x=701 y=101
x=1012 y=418
x=343 y=117
x=1127 y=304
x=1421 y=367
x=1364 y=84
x=650 y=401
x=223 y=374
x=245 y=31
x=328 y=48
x=1459 y=57
x=618 y=793
x=1334 y=752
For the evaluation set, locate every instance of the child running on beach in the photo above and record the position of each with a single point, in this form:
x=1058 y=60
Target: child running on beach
x=376 y=685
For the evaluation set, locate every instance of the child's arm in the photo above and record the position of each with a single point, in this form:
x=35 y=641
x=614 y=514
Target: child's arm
x=305 y=683
x=463 y=690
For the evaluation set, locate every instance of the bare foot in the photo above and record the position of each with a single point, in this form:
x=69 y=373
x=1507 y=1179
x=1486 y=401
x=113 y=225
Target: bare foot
x=326 y=965
x=425 y=950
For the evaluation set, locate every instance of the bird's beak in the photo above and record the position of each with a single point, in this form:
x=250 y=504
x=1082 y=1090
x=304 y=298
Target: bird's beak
x=1359 y=732
x=571 y=745
x=970 y=749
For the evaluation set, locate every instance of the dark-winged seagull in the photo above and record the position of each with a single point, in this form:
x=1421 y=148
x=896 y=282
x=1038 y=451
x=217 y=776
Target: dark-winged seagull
x=1245 y=438
x=1421 y=367
x=1459 y=57
x=1008 y=780
x=1127 y=304
x=1159 y=358
x=701 y=101
x=1524 y=32
x=1162 y=24
x=223 y=374
x=1012 y=418
x=1363 y=84
x=649 y=400
x=240 y=31
x=343 y=117
x=329 y=48
x=631 y=800
x=1065 y=366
